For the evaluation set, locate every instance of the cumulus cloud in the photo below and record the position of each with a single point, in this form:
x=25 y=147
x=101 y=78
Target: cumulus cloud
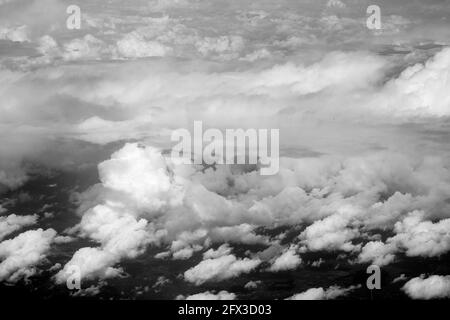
x=88 y=47
x=12 y=223
x=420 y=89
x=223 y=250
x=21 y=255
x=252 y=284
x=121 y=236
x=92 y=262
x=127 y=193
x=336 y=4
x=330 y=233
x=218 y=269
x=242 y=233
x=222 y=45
x=288 y=260
x=146 y=199
x=125 y=100
x=433 y=287
x=332 y=292
x=87 y=292
x=17 y=34
x=208 y=295
x=378 y=253
x=414 y=236
x=134 y=45
x=422 y=238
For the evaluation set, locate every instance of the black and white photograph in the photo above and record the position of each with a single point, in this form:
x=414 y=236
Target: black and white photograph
x=253 y=150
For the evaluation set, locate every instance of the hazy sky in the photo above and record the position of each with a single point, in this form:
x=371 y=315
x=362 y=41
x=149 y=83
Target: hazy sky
x=135 y=68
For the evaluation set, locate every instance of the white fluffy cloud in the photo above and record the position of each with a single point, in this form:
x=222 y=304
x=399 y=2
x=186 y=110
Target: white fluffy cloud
x=414 y=235
x=141 y=174
x=121 y=236
x=330 y=233
x=335 y=4
x=433 y=287
x=145 y=199
x=17 y=34
x=218 y=269
x=363 y=137
x=421 y=89
x=134 y=45
x=223 y=250
x=323 y=294
x=288 y=260
x=12 y=223
x=207 y=295
x=419 y=237
x=378 y=253
x=21 y=255
x=92 y=262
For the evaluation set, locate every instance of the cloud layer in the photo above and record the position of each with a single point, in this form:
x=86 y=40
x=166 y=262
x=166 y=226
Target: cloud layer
x=363 y=118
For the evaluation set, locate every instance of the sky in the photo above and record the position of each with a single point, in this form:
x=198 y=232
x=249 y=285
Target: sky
x=363 y=117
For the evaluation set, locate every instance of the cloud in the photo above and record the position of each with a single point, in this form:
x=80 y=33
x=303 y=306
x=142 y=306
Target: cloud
x=121 y=236
x=332 y=292
x=420 y=89
x=218 y=269
x=414 y=236
x=12 y=223
x=364 y=140
x=134 y=45
x=401 y=277
x=5 y=1
x=21 y=255
x=223 y=250
x=288 y=260
x=208 y=295
x=17 y=34
x=92 y=262
x=128 y=190
x=140 y=173
x=242 y=233
x=221 y=45
x=12 y=176
x=160 y=282
x=433 y=287
x=146 y=199
x=252 y=284
x=378 y=253
x=422 y=238
x=331 y=233
x=335 y=4
x=88 y=292
x=145 y=100
x=88 y=47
